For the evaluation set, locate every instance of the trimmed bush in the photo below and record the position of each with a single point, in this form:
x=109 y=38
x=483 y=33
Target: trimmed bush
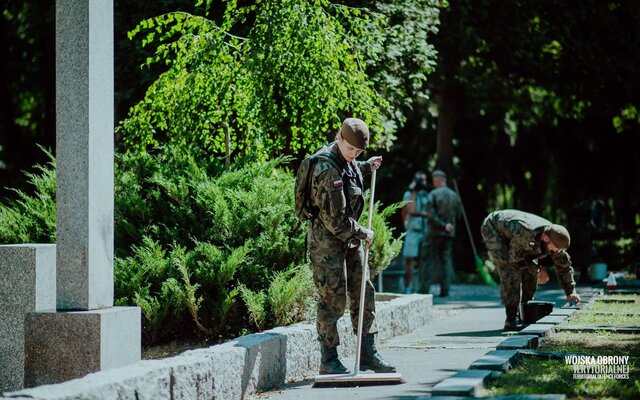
x=205 y=252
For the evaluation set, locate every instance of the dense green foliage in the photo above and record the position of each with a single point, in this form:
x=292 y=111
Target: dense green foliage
x=205 y=252
x=538 y=106
x=32 y=218
x=197 y=236
x=281 y=89
x=543 y=95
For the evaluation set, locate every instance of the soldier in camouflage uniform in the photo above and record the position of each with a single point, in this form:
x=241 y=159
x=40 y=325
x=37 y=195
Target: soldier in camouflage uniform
x=442 y=211
x=516 y=240
x=335 y=246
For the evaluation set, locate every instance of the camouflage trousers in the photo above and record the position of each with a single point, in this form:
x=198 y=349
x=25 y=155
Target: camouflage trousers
x=439 y=263
x=518 y=281
x=336 y=274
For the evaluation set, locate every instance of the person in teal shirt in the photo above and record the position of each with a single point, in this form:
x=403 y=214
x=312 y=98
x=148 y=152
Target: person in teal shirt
x=415 y=224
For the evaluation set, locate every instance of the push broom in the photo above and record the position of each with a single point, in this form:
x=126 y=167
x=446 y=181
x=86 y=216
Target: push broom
x=480 y=267
x=356 y=378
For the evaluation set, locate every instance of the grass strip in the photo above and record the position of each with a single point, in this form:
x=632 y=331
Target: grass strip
x=604 y=320
x=532 y=376
x=535 y=376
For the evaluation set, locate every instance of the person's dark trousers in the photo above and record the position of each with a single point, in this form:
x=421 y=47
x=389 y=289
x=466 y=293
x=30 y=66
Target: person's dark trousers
x=440 y=257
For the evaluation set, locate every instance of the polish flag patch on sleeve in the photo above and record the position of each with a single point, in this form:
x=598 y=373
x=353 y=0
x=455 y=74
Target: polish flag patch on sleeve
x=338 y=183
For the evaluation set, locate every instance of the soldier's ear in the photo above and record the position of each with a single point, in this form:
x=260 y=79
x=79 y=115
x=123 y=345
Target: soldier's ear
x=544 y=237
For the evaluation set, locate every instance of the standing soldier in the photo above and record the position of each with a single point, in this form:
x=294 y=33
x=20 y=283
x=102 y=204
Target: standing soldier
x=443 y=211
x=516 y=240
x=335 y=246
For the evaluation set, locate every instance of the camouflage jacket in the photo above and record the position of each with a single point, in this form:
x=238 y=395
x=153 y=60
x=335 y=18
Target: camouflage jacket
x=337 y=192
x=443 y=207
x=519 y=233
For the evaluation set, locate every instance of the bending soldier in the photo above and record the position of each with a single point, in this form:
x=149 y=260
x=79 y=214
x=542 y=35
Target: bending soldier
x=335 y=244
x=516 y=240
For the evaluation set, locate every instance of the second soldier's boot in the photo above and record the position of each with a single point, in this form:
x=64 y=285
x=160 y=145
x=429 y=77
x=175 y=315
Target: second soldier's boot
x=370 y=358
x=329 y=363
x=512 y=322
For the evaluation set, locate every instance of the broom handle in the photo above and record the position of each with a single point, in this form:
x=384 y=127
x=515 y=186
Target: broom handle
x=365 y=277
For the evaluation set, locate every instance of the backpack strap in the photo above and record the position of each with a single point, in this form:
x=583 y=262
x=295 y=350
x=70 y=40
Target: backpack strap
x=327 y=155
x=321 y=153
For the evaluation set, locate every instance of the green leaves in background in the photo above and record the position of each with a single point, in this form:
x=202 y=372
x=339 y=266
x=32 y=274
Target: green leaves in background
x=283 y=88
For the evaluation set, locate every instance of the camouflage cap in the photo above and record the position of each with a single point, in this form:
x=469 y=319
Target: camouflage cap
x=559 y=235
x=439 y=174
x=356 y=132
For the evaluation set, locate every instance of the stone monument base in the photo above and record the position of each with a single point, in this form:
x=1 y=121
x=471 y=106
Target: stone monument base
x=60 y=346
x=27 y=284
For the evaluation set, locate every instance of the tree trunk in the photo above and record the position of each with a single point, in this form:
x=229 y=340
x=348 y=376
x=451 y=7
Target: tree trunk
x=446 y=126
x=448 y=65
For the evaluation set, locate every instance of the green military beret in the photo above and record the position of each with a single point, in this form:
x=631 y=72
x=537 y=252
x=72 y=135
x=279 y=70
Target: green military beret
x=356 y=132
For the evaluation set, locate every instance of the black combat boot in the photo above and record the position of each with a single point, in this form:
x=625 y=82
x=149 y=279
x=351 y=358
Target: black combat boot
x=330 y=364
x=512 y=323
x=369 y=357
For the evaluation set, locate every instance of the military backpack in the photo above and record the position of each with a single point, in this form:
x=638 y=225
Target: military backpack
x=306 y=211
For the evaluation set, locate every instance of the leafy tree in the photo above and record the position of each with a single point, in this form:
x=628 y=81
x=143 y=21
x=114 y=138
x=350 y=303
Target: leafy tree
x=281 y=89
x=533 y=98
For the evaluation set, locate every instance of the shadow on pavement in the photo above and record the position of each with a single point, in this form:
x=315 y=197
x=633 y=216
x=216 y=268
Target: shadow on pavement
x=494 y=332
x=467 y=304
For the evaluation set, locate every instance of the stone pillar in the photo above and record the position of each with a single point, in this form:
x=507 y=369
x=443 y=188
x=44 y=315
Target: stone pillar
x=87 y=334
x=28 y=284
x=84 y=153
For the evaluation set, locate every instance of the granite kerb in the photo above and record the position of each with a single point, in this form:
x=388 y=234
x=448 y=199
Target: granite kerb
x=238 y=368
x=523 y=344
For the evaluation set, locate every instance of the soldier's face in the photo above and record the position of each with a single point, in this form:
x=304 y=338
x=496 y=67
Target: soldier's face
x=552 y=248
x=349 y=152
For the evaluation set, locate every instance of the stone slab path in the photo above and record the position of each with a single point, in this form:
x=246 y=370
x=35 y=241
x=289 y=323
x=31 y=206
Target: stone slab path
x=468 y=325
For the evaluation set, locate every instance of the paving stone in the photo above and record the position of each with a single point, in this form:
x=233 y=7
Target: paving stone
x=631 y=314
x=546 y=355
x=537 y=329
x=616 y=300
x=464 y=383
x=623 y=291
x=496 y=360
x=506 y=397
x=528 y=397
x=519 y=342
x=563 y=311
x=632 y=330
x=552 y=319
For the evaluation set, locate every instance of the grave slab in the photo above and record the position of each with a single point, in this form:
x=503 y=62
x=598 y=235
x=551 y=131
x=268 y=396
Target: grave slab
x=563 y=311
x=496 y=360
x=463 y=383
x=631 y=330
x=519 y=342
x=552 y=319
x=617 y=300
x=537 y=329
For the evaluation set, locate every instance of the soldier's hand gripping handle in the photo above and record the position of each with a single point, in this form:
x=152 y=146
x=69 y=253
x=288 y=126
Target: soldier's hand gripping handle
x=369 y=238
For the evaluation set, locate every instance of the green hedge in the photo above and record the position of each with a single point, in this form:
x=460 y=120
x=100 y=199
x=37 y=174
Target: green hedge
x=205 y=252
